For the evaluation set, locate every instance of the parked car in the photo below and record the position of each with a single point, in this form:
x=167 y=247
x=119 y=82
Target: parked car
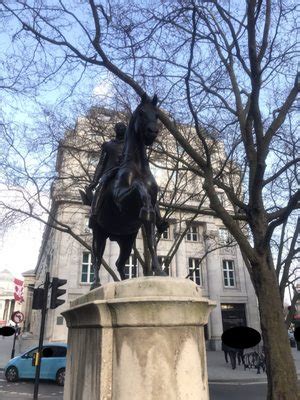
x=53 y=364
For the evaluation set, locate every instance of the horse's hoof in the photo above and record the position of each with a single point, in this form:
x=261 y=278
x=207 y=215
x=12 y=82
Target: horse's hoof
x=95 y=285
x=147 y=215
x=158 y=272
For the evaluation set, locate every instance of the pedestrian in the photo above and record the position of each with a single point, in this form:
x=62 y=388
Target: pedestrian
x=240 y=356
x=232 y=353
x=224 y=348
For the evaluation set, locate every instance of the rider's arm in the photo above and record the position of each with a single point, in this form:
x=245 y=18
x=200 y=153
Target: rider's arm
x=101 y=166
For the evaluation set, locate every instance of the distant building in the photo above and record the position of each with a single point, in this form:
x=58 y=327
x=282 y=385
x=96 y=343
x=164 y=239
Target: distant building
x=7 y=301
x=29 y=282
x=221 y=274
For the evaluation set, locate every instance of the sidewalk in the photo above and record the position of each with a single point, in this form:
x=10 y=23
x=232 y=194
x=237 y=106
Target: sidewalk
x=6 y=344
x=219 y=371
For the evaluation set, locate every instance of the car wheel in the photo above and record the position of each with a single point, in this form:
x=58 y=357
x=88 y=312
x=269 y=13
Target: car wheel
x=60 y=377
x=11 y=374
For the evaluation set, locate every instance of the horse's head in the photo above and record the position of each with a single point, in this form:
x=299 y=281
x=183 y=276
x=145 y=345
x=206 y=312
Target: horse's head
x=145 y=122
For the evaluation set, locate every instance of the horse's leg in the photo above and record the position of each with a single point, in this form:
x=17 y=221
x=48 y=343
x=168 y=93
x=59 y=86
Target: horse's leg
x=150 y=235
x=147 y=215
x=98 y=247
x=147 y=212
x=126 y=244
x=161 y=224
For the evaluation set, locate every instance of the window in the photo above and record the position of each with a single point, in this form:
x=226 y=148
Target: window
x=48 y=352
x=131 y=267
x=192 y=234
x=195 y=270
x=87 y=229
x=166 y=234
x=30 y=353
x=59 y=351
x=162 y=260
x=224 y=236
x=59 y=320
x=87 y=272
x=228 y=273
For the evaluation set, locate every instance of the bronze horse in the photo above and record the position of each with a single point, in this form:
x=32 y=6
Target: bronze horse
x=129 y=199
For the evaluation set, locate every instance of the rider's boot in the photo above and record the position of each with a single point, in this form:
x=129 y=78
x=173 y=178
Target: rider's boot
x=95 y=285
x=120 y=269
x=157 y=269
x=96 y=282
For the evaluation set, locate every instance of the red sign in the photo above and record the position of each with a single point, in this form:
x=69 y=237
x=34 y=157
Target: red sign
x=17 y=317
x=18 y=293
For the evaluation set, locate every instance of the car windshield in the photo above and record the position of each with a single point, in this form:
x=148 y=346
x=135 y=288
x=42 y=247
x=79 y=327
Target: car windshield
x=48 y=351
x=31 y=353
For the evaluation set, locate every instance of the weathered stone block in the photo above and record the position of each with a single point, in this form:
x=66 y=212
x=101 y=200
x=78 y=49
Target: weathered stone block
x=138 y=339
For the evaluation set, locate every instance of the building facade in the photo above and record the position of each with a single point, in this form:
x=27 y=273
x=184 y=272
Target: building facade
x=205 y=251
x=7 y=300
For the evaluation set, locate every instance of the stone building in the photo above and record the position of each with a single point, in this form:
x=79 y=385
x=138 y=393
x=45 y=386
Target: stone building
x=7 y=301
x=26 y=309
x=206 y=251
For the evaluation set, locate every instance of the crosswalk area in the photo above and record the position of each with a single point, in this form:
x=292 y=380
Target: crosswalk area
x=24 y=390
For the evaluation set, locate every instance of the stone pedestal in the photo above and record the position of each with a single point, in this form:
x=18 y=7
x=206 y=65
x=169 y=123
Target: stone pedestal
x=140 y=339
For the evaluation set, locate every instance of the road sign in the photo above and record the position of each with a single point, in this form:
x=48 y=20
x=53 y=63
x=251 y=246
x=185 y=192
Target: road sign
x=17 y=317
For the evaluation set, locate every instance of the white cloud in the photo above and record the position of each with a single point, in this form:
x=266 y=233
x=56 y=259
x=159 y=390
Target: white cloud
x=103 y=89
x=20 y=239
x=19 y=247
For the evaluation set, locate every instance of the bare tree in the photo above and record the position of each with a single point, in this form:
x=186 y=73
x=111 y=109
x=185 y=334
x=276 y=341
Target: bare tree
x=286 y=248
x=225 y=68
x=40 y=188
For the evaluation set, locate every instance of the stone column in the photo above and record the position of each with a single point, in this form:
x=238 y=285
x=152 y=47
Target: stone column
x=138 y=339
x=215 y=286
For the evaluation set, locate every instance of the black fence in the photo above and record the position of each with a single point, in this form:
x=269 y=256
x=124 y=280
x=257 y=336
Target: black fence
x=256 y=360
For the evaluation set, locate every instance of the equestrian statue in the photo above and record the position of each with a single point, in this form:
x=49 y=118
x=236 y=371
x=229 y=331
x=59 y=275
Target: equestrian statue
x=123 y=192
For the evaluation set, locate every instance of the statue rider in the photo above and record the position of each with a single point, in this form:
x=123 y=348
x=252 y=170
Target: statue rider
x=107 y=168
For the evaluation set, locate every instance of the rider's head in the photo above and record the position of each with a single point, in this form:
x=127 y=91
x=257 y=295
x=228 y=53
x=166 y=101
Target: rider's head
x=120 y=130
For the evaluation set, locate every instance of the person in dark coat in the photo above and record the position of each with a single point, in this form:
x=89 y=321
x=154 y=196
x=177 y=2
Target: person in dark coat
x=233 y=353
x=240 y=355
x=225 y=349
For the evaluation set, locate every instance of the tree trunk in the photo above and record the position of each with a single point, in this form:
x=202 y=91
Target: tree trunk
x=281 y=371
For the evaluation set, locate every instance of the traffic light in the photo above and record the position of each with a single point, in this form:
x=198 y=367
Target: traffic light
x=55 y=292
x=38 y=299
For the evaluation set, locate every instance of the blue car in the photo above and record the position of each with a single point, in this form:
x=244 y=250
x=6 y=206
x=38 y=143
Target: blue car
x=53 y=364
